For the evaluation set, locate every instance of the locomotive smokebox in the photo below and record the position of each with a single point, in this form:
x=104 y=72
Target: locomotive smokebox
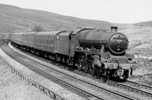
x=114 y=29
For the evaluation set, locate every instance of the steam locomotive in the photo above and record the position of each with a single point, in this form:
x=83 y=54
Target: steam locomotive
x=95 y=51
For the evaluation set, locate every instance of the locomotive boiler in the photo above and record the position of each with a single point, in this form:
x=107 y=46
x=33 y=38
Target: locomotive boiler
x=99 y=52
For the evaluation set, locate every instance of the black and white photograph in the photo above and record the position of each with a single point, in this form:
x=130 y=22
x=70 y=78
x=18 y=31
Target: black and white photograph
x=75 y=50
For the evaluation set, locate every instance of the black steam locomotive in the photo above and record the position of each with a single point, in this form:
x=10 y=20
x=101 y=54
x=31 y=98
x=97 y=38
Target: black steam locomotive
x=101 y=53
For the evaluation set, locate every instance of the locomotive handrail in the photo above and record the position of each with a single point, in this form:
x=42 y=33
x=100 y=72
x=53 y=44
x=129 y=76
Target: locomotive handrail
x=82 y=29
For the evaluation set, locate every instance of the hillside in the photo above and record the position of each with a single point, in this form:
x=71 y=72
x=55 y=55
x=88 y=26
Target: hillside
x=146 y=23
x=15 y=19
x=140 y=39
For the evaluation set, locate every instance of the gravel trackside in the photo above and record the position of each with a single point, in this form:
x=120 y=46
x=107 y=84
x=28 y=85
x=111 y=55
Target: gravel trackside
x=12 y=87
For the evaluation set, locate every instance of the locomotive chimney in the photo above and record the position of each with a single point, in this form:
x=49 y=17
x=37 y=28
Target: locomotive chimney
x=114 y=29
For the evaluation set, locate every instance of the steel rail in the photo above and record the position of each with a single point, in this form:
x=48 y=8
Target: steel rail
x=110 y=91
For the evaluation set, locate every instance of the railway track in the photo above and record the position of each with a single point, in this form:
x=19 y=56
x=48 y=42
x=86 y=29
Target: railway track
x=140 y=85
x=95 y=90
x=82 y=87
x=136 y=87
x=132 y=86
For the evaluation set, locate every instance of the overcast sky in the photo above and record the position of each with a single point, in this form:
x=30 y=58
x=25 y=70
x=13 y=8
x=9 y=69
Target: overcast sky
x=119 y=11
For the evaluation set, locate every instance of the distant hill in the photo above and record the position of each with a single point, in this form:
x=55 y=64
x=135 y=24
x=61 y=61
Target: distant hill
x=140 y=38
x=15 y=19
x=146 y=23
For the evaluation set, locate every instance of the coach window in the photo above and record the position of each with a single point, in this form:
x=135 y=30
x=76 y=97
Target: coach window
x=102 y=48
x=57 y=37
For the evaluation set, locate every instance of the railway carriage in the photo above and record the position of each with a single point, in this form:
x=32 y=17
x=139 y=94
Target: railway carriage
x=95 y=51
